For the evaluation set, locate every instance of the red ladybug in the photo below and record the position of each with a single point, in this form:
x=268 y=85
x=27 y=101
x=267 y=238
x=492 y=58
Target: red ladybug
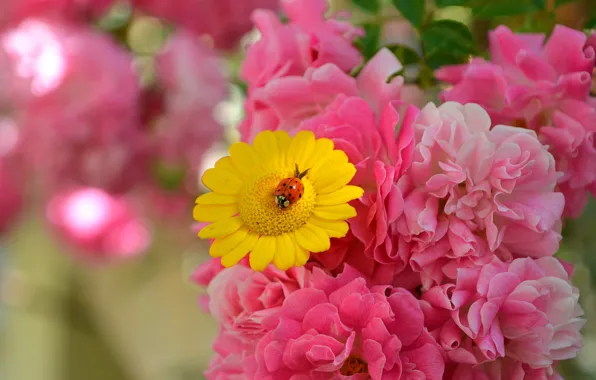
x=290 y=189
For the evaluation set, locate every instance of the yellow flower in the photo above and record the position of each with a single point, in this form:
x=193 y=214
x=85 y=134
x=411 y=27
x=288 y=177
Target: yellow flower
x=245 y=216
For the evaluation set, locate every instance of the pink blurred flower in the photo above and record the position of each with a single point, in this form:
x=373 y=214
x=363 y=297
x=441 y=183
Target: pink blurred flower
x=240 y=298
x=98 y=225
x=228 y=361
x=542 y=87
x=526 y=310
x=11 y=194
x=471 y=192
x=190 y=83
x=14 y=11
x=76 y=97
x=226 y=21
x=341 y=327
x=307 y=40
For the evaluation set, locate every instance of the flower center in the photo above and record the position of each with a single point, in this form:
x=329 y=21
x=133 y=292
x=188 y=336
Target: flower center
x=353 y=365
x=260 y=212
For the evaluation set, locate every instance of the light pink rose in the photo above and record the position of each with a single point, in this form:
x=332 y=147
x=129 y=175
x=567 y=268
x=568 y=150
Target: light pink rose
x=472 y=192
x=225 y=21
x=341 y=327
x=240 y=298
x=99 y=226
x=14 y=11
x=526 y=310
x=308 y=40
x=189 y=84
x=76 y=104
x=544 y=87
x=502 y=369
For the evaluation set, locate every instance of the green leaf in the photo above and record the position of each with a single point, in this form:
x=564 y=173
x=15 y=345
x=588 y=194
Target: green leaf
x=491 y=8
x=405 y=54
x=412 y=10
x=369 y=44
x=591 y=24
x=447 y=42
x=371 y=6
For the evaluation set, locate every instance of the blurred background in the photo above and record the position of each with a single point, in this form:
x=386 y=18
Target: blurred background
x=87 y=296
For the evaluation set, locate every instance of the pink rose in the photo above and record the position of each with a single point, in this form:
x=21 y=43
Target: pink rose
x=341 y=327
x=542 y=87
x=225 y=21
x=11 y=194
x=307 y=40
x=526 y=310
x=502 y=369
x=240 y=298
x=100 y=226
x=472 y=192
x=14 y=11
x=77 y=105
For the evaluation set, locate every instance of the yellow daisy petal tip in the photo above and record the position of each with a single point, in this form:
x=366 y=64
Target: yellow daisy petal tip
x=259 y=207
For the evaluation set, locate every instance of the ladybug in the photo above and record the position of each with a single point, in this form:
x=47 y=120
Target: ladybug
x=290 y=189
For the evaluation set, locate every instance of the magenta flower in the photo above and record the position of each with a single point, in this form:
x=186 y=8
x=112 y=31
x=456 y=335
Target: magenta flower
x=340 y=327
x=503 y=369
x=99 y=226
x=308 y=40
x=11 y=194
x=544 y=88
x=14 y=11
x=526 y=310
x=472 y=192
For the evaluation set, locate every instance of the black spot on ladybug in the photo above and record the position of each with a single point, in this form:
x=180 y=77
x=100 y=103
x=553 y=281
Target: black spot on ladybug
x=299 y=195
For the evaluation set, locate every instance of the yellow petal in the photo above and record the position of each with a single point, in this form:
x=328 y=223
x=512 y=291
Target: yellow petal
x=285 y=256
x=221 y=228
x=262 y=253
x=300 y=149
x=312 y=238
x=216 y=199
x=283 y=143
x=222 y=181
x=343 y=195
x=302 y=255
x=334 y=177
x=333 y=228
x=265 y=145
x=240 y=251
x=244 y=157
x=335 y=212
x=213 y=213
x=222 y=246
x=226 y=164
x=321 y=152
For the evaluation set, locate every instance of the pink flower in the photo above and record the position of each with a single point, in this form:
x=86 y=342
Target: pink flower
x=228 y=361
x=101 y=227
x=526 y=310
x=77 y=105
x=307 y=40
x=285 y=102
x=544 y=88
x=11 y=194
x=341 y=327
x=14 y=11
x=190 y=84
x=225 y=21
x=502 y=369
x=240 y=298
x=472 y=192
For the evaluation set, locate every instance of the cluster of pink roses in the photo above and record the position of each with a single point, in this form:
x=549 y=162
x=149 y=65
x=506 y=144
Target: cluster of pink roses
x=77 y=121
x=447 y=271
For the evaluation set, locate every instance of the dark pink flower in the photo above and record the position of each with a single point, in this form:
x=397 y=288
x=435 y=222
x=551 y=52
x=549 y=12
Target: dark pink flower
x=340 y=327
